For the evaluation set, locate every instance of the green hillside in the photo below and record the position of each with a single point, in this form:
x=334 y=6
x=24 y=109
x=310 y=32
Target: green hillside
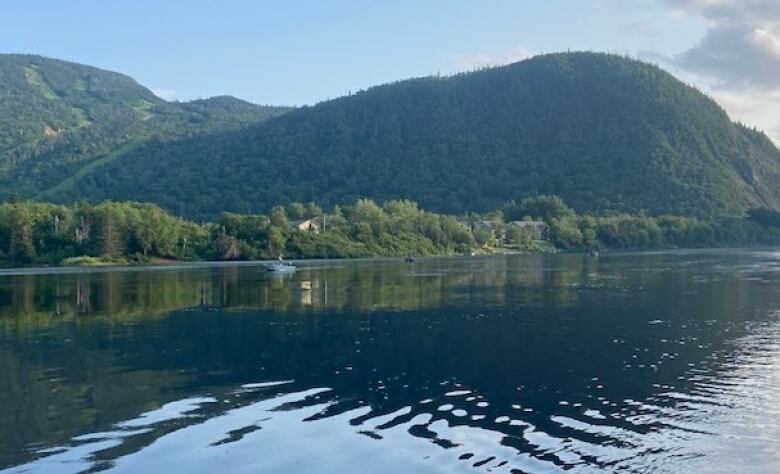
x=56 y=118
x=604 y=132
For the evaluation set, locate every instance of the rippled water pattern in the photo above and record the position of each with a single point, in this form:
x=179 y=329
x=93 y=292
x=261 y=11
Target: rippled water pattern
x=665 y=362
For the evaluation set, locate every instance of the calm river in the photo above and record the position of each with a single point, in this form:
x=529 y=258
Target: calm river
x=666 y=362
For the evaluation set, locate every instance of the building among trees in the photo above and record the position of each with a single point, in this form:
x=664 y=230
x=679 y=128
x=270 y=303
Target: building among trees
x=310 y=225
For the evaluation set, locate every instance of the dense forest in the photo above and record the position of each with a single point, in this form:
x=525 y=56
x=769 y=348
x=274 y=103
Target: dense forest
x=606 y=133
x=125 y=232
x=59 y=120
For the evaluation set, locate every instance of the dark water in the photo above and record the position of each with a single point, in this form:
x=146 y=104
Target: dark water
x=629 y=363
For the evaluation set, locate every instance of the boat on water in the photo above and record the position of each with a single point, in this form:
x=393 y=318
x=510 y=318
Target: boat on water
x=280 y=266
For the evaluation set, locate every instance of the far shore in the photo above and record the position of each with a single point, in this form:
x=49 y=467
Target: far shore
x=319 y=262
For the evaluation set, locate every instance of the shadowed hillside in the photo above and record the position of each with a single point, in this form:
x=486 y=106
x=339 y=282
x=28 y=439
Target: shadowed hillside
x=604 y=132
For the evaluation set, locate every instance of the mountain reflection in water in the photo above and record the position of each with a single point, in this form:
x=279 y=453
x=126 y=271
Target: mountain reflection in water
x=664 y=362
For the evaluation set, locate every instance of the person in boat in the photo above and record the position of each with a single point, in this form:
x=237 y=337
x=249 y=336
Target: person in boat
x=281 y=265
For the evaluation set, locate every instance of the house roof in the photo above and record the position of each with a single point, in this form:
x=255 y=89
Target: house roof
x=297 y=222
x=528 y=223
x=490 y=224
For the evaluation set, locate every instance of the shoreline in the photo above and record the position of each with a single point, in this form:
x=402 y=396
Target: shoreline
x=316 y=262
x=177 y=265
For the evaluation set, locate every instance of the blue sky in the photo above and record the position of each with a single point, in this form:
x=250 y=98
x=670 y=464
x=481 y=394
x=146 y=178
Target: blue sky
x=301 y=52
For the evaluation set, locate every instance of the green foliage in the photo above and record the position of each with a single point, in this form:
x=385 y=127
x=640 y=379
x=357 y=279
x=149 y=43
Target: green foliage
x=122 y=232
x=630 y=232
x=521 y=237
x=279 y=217
x=765 y=217
x=483 y=237
x=60 y=121
x=296 y=210
x=545 y=208
x=276 y=240
x=47 y=233
x=605 y=133
x=38 y=233
x=566 y=233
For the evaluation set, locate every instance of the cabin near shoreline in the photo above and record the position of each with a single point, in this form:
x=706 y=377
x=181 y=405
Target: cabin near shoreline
x=314 y=224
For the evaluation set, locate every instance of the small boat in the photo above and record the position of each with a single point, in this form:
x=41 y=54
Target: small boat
x=410 y=259
x=593 y=253
x=280 y=266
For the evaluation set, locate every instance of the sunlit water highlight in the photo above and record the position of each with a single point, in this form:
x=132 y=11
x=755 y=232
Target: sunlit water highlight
x=627 y=363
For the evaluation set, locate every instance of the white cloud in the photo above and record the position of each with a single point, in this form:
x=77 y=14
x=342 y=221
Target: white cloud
x=165 y=94
x=468 y=62
x=767 y=40
x=741 y=48
x=738 y=11
x=753 y=109
x=775 y=135
x=738 y=59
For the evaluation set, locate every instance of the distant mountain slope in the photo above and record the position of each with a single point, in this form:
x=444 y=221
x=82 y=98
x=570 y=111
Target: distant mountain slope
x=56 y=117
x=604 y=132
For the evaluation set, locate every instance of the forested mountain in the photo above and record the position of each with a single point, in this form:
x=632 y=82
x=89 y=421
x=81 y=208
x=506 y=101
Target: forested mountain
x=605 y=133
x=59 y=119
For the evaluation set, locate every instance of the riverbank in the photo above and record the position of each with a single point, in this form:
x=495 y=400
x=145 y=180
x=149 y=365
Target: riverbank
x=314 y=263
x=109 y=234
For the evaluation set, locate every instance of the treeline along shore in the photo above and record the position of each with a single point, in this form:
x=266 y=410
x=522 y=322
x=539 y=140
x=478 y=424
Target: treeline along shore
x=37 y=233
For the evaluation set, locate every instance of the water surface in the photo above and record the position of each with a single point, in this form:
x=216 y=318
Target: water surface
x=666 y=362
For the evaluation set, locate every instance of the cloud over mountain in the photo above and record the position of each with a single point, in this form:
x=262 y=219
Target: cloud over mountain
x=738 y=59
x=741 y=49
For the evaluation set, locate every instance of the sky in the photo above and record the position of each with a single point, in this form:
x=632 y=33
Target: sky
x=300 y=52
